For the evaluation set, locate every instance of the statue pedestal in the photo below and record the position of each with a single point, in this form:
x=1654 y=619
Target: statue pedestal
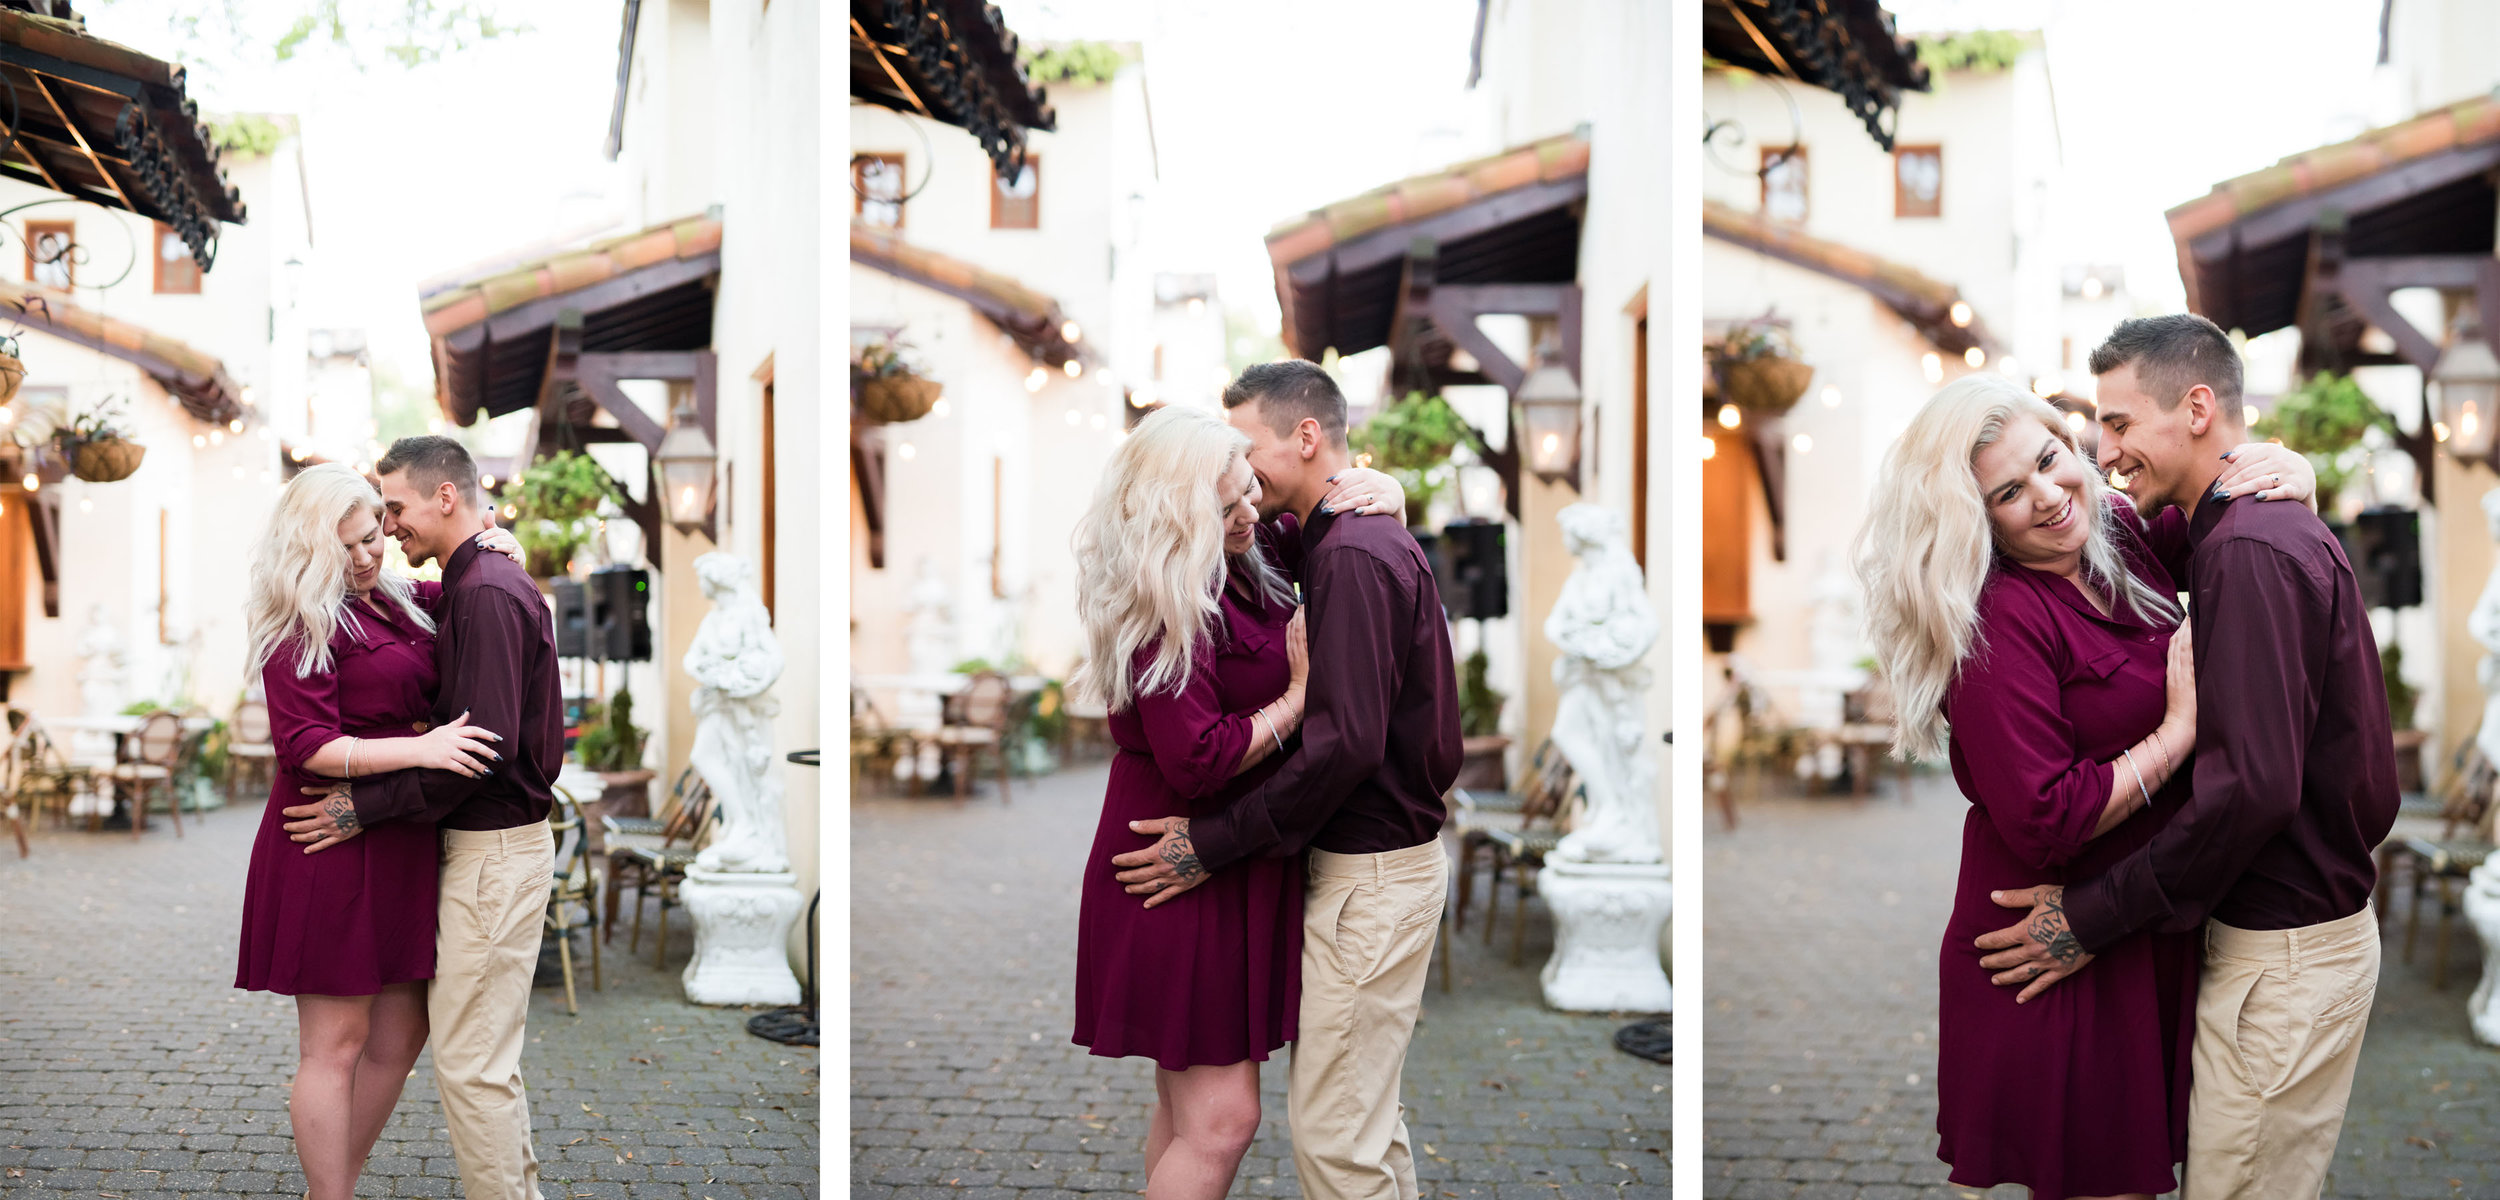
x=1606 y=922
x=2482 y=908
x=742 y=925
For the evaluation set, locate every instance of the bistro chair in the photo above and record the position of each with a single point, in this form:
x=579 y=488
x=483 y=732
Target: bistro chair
x=251 y=749
x=1520 y=853
x=876 y=745
x=986 y=705
x=576 y=883
x=662 y=867
x=41 y=776
x=156 y=751
x=12 y=807
x=1865 y=738
x=623 y=835
x=2445 y=861
x=1481 y=812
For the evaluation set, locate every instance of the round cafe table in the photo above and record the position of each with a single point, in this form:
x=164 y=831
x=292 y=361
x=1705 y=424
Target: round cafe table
x=122 y=727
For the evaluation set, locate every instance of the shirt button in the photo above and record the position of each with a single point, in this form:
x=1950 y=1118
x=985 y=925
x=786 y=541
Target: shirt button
x=419 y=726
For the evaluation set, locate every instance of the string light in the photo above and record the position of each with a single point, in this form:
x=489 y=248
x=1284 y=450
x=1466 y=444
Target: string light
x=1730 y=416
x=1933 y=365
x=1076 y=368
x=1960 y=313
x=1033 y=382
x=1976 y=357
x=1709 y=448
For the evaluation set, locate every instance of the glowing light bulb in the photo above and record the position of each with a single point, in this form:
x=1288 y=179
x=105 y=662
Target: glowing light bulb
x=1802 y=443
x=487 y=482
x=1976 y=357
x=434 y=425
x=235 y=425
x=1933 y=365
x=2092 y=287
x=1730 y=416
x=1197 y=306
x=1831 y=395
x=1709 y=448
x=199 y=441
x=1960 y=314
x=1034 y=381
x=216 y=437
x=1071 y=332
x=31 y=482
x=941 y=409
x=906 y=451
x=2439 y=431
x=2074 y=423
x=1076 y=368
x=1549 y=445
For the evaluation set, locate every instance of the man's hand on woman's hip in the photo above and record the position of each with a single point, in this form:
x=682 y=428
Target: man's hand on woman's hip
x=2039 y=950
x=1165 y=869
x=325 y=822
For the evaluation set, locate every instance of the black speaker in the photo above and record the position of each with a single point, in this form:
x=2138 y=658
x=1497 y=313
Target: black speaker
x=1475 y=582
x=2385 y=546
x=621 y=617
x=572 y=619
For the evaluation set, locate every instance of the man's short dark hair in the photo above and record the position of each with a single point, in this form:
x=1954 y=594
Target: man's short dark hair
x=1287 y=392
x=2172 y=354
x=432 y=461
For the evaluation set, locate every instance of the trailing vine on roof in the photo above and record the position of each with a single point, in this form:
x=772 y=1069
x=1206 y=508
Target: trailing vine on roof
x=1074 y=62
x=1985 y=50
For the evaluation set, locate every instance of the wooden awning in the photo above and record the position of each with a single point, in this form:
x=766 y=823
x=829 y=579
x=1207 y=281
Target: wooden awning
x=494 y=337
x=1845 y=47
x=952 y=61
x=197 y=380
x=1034 y=320
x=100 y=122
x=1921 y=299
x=2421 y=188
x=1512 y=218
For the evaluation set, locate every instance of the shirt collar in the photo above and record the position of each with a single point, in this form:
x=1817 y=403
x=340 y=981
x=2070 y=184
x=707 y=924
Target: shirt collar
x=459 y=562
x=1316 y=529
x=2208 y=514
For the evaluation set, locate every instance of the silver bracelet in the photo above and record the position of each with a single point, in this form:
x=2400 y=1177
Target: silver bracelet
x=2140 y=789
x=2168 y=767
x=349 y=771
x=1271 y=730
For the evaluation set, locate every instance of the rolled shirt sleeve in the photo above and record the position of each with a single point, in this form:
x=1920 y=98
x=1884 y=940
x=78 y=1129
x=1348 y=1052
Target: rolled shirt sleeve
x=2017 y=745
x=303 y=710
x=1358 y=610
x=2266 y=633
x=483 y=680
x=1197 y=745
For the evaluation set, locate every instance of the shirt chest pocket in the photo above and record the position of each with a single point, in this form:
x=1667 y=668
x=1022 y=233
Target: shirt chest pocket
x=1251 y=667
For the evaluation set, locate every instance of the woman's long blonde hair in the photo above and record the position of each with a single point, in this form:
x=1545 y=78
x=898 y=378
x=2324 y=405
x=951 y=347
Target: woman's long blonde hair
x=1924 y=553
x=1150 y=558
x=299 y=571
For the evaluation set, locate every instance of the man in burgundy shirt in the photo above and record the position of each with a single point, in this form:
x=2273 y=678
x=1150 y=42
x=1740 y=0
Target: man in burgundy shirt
x=494 y=650
x=1379 y=749
x=2294 y=785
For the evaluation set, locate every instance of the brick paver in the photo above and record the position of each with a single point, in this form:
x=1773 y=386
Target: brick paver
x=963 y=960
x=1822 y=929
x=131 y=1068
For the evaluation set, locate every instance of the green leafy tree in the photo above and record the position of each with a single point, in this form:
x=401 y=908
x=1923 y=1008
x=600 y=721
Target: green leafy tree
x=2323 y=420
x=558 y=496
x=1074 y=62
x=225 y=37
x=1412 y=439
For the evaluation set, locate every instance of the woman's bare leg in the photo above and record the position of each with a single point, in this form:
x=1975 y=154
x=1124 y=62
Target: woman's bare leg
x=395 y=1034
x=1214 y=1117
x=330 y=1038
x=1159 y=1129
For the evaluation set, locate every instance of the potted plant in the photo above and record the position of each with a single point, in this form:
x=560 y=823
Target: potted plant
x=1757 y=368
x=1482 y=743
x=888 y=387
x=96 y=444
x=2324 y=419
x=557 y=497
x=1412 y=438
x=611 y=744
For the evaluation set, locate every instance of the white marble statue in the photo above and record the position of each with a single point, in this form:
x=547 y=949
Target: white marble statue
x=1606 y=883
x=2483 y=625
x=2482 y=891
x=932 y=631
x=1604 y=625
x=739 y=890
x=101 y=681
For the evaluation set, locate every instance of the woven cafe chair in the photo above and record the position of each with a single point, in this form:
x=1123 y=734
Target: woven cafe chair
x=986 y=707
x=43 y=776
x=657 y=869
x=876 y=745
x=622 y=836
x=156 y=751
x=1865 y=737
x=1520 y=853
x=251 y=749
x=2442 y=863
x=576 y=883
x=1480 y=812
x=14 y=801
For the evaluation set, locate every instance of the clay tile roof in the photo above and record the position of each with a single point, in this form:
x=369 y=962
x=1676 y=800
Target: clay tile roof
x=198 y=380
x=466 y=303
x=1556 y=158
x=1033 y=319
x=2311 y=172
x=1920 y=298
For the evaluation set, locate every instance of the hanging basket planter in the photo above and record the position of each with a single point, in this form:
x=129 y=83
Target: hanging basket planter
x=1769 y=385
x=106 y=460
x=893 y=399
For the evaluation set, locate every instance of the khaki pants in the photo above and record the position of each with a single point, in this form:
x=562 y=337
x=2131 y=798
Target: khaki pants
x=1367 y=930
x=493 y=911
x=2279 y=1018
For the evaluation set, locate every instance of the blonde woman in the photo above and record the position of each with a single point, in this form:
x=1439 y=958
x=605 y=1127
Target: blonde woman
x=2024 y=615
x=345 y=654
x=1195 y=645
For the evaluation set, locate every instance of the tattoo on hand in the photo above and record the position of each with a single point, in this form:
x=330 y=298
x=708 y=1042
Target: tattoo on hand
x=1179 y=854
x=342 y=813
x=2051 y=931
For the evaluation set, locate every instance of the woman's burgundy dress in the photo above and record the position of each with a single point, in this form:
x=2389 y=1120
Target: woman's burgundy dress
x=1213 y=976
x=359 y=915
x=2083 y=1091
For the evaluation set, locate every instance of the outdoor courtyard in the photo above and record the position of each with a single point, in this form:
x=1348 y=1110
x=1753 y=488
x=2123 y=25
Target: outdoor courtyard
x=1823 y=925
x=131 y=1069
x=963 y=1077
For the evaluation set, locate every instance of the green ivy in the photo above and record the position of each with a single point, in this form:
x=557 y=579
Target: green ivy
x=1412 y=439
x=2322 y=420
x=557 y=497
x=247 y=135
x=1986 y=50
x=1074 y=62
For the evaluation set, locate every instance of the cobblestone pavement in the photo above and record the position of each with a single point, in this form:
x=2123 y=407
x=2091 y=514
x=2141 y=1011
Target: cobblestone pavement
x=130 y=1068
x=963 y=957
x=1821 y=1019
